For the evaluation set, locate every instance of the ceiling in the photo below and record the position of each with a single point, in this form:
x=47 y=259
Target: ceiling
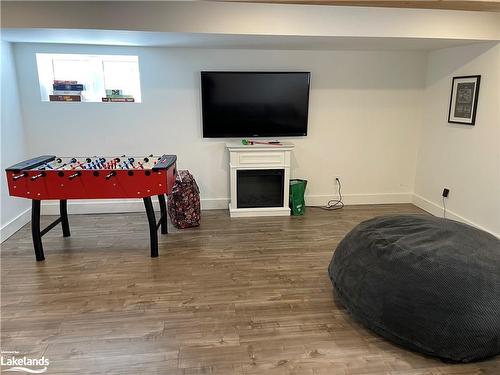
x=472 y=5
x=206 y=40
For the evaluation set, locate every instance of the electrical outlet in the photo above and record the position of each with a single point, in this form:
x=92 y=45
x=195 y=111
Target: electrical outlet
x=446 y=192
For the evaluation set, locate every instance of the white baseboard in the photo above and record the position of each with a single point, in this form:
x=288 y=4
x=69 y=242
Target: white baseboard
x=94 y=206
x=354 y=199
x=15 y=224
x=99 y=206
x=437 y=210
x=215 y=203
x=102 y=206
x=136 y=205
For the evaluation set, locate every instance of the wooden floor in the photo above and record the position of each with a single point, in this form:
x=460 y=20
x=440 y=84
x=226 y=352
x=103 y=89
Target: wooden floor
x=235 y=296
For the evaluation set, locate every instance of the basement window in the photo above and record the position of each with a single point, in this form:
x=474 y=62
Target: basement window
x=88 y=78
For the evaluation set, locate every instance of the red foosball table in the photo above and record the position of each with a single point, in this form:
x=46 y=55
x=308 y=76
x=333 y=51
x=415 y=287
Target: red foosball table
x=50 y=177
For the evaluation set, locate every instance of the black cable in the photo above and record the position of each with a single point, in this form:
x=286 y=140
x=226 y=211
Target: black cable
x=335 y=204
x=444 y=207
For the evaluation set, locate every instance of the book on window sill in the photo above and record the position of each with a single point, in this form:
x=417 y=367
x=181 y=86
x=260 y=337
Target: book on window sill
x=119 y=96
x=64 y=82
x=118 y=100
x=68 y=87
x=67 y=92
x=65 y=98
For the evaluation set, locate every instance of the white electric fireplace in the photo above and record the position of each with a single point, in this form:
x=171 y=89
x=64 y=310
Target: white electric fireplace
x=260 y=179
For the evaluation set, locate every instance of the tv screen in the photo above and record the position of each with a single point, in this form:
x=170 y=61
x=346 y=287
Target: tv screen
x=254 y=104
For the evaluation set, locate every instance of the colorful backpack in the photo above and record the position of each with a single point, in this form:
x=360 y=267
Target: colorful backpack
x=184 y=201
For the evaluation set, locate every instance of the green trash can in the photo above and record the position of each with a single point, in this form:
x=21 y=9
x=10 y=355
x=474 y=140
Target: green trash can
x=297 y=191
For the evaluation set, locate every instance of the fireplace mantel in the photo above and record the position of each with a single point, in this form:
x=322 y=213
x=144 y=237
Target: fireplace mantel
x=259 y=157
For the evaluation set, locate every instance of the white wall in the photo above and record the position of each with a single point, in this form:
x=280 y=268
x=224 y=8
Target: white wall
x=365 y=117
x=14 y=212
x=464 y=158
x=368 y=111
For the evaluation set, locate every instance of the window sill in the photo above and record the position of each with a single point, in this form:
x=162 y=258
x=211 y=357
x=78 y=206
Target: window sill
x=70 y=101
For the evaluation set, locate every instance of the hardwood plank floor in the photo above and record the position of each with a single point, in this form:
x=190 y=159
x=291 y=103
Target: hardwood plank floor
x=235 y=296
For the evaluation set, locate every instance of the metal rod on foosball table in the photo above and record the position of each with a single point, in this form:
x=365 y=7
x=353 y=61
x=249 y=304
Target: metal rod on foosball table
x=111 y=174
x=75 y=175
x=24 y=174
x=35 y=177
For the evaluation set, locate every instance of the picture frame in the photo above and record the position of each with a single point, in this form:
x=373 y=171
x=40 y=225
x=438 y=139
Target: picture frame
x=463 y=100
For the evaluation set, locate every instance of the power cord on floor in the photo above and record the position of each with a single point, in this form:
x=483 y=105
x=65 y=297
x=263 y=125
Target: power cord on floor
x=444 y=207
x=335 y=204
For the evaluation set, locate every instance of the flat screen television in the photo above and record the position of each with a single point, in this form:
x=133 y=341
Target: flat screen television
x=254 y=104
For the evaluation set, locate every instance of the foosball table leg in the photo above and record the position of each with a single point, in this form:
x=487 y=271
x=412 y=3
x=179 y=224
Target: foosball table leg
x=63 y=209
x=163 y=213
x=153 y=228
x=35 y=226
x=35 y=230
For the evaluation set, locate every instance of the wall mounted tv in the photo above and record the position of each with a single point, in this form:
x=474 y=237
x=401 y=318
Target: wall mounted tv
x=254 y=104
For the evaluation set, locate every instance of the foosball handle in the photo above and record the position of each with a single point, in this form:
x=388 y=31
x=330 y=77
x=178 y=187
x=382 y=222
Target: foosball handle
x=24 y=174
x=43 y=174
x=111 y=174
x=75 y=175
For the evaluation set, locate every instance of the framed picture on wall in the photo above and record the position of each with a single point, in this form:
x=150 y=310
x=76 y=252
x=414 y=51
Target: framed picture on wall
x=463 y=101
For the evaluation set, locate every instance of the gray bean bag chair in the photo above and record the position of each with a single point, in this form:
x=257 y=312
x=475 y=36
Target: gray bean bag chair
x=426 y=283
